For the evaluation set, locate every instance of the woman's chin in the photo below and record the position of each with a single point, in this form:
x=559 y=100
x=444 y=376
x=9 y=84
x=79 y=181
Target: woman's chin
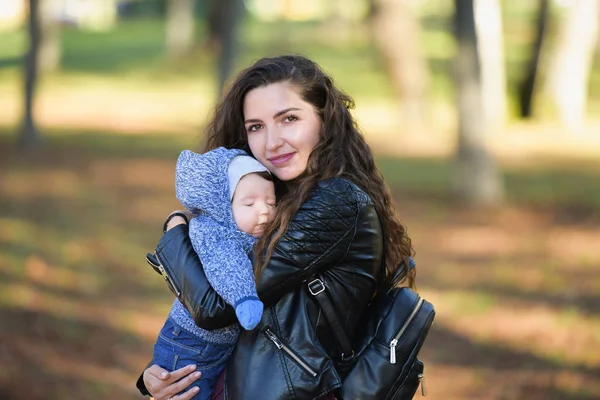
x=287 y=173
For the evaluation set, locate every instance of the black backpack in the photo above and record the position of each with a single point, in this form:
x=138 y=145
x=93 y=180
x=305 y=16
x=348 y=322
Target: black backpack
x=385 y=364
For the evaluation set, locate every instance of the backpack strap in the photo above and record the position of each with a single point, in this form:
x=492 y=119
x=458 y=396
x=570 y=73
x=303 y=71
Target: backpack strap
x=316 y=287
x=400 y=274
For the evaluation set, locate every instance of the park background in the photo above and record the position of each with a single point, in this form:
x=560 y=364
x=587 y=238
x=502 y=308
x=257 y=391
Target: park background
x=484 y=116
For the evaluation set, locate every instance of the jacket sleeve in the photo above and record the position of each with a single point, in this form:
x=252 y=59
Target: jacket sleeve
x=317 y=238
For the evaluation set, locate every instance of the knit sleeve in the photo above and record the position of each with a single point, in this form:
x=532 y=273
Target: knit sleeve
x=224 y=258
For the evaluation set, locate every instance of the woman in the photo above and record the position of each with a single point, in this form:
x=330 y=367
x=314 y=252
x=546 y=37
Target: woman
x=335 y=226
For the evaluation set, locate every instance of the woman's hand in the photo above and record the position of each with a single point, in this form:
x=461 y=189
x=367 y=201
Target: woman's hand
x=164 y=385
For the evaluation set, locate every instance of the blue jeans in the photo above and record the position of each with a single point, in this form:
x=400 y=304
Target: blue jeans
x=176 y=348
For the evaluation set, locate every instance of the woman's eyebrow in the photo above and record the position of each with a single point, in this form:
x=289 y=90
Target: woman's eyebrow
x=277 y=114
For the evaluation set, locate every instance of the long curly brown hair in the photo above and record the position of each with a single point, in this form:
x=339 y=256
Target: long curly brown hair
x=341 y=151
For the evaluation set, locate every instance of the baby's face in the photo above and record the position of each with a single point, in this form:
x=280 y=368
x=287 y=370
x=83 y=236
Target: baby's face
x=253 y=204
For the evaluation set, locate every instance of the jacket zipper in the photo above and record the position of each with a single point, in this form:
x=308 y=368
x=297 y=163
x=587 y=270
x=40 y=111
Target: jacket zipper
x=397 y=337
x=165 y=275
x=290 y=353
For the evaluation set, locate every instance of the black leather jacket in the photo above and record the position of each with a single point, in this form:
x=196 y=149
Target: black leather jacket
x=336 y=235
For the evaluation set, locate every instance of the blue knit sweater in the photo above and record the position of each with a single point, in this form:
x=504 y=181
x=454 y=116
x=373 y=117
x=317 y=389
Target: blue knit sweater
x=202 y=186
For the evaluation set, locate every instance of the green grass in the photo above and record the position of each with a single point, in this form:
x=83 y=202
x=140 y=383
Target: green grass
x=574 y=187
x=133 y=45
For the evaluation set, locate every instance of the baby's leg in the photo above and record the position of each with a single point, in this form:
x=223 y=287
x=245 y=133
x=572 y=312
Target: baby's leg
x=176 y=348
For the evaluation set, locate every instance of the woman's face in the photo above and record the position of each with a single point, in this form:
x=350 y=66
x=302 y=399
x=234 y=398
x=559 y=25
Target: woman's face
x=282 y=129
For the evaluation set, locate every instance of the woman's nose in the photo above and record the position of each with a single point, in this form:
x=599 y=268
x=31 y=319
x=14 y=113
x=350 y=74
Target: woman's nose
x=273 y=138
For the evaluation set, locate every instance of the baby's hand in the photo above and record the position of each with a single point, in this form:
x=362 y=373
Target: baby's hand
x=249 y=313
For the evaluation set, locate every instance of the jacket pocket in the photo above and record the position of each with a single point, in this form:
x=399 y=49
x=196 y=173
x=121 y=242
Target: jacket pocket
x=289 y=352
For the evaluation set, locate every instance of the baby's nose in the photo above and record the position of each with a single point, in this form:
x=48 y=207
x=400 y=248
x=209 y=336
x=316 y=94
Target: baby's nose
x=265 y=209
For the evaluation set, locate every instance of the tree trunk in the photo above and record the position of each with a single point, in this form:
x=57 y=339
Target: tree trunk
x=214 y=19
x=488 y=23
x=180 y=27
x=396 y=33
x=50 y=49
x=231 y=14
x=528 y=85
x=572 y=61
x=372 y=9
x=477 y=180
x=28 y=135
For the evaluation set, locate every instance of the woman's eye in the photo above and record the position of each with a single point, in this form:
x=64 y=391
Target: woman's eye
x=253 y=128
x=290 y=118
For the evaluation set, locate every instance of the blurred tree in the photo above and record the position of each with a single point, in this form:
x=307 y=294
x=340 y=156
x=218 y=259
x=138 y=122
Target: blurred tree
x=529 y=83
x=488 y=24
x=477 y=179
x=213 y=23
x=50 y=49
x=224 y=20
x=28 y=135
x=180 y=27
x=571 y=63
x=371 y=8
x=396 y=32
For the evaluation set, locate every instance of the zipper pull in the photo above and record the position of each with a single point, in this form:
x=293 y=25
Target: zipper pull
x=274 y=339
x=423 y=385
x=163 y=273
x=393 y=344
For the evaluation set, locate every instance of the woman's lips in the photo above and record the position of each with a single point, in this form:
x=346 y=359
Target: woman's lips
x=282 y=159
